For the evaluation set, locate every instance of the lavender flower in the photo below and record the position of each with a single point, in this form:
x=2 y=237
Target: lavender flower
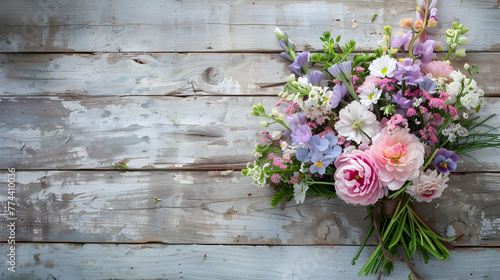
x=445 y=161
x=339 y=92
x=344 y=68
x=285 y=54
x=314 y=77
x=402 y=40
x=301 y=135
x=403 y=102
x=300 y=63
x=425 y=50
x=408 y=71
x=294 y=121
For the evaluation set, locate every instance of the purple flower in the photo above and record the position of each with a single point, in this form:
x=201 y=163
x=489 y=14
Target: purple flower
x=285 y=54
x=294 y=121
x=427 y=85
x=432 y=9
x=403 y=102
x=445 y=161
x=301 y=135
x=425 y=50
x=402 y=40
x=339 y=92
x=300 y=63
x=344 y=68
x=314 y=77
x=408 y=71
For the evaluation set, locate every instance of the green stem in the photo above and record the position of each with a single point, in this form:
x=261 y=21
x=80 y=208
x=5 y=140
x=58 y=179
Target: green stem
x=410 y=49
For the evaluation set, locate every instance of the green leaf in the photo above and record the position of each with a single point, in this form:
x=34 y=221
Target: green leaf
x=278 y=196
x=338 y=39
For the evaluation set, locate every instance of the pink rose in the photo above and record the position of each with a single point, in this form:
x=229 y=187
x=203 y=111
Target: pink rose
x=398 y=155
x=356 y=179
x=428 y=185
x=437 y=69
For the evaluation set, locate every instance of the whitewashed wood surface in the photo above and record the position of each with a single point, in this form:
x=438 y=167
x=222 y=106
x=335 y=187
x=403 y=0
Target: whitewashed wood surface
x=167 y=86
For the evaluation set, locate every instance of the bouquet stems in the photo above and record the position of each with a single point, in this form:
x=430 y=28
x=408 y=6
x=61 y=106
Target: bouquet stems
x=403 y=226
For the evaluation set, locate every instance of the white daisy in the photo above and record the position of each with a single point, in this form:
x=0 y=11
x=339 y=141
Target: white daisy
x=299 y=192
x=383 y=67
x=357 y=123
x=369 y=95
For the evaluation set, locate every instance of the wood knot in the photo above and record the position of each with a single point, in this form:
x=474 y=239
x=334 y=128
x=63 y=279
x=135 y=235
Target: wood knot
x=213 y=75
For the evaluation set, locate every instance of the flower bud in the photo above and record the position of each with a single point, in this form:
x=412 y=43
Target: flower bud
x=431 y=22
x=450 y=32
x=419 y=9
x=261 y=108
x=387 y=38
x=460 y=26
x=384 y=48
x=281 y=117
x=454 y=45
x=447 y=62
x=387 y=30
x=438 y=47
x=466 y=66
x=405 y=22
x=418 y=25
x=291 y=78
x=278 y=33
x=463 y=41
x=264 y=124
x=449 y=40
x=295 y=84
x=464 y=30
x=455 y=24
x=460 y=52
x=393 y=50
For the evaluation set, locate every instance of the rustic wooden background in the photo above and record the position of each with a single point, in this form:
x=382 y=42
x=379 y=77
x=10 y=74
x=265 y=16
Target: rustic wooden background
x=167 y=86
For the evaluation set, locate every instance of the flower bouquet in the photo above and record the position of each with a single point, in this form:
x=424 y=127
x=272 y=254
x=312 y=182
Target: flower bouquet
x=384 y=132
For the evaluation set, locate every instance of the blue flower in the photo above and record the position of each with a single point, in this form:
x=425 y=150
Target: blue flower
x=427 y=85
x=321 y=152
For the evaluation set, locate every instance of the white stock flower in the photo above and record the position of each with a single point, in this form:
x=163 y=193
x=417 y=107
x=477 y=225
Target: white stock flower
x=299 y=192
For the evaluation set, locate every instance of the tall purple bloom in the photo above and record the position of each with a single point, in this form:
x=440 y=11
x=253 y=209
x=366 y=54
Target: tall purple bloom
x=445 y=161
x=299 y=66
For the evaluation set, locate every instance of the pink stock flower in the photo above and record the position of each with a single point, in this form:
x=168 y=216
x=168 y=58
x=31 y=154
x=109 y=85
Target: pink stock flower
x=357 y=180
x=398 y=155
x=428 y=185
x=437 y=69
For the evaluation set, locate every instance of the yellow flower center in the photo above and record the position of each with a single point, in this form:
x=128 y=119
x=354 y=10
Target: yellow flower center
x=319 y=164
x=372 y=96
x=384 y=70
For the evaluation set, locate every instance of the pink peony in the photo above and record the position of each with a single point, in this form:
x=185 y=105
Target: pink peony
x=437 y=69
x=356 y=179
x=428 y=185
x=398 y=155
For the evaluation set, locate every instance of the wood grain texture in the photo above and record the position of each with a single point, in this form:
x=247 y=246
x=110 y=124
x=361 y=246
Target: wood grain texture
x=210 y=208
x=157 y=261
x=218 y=26
x=164 y=132
x=190 y=74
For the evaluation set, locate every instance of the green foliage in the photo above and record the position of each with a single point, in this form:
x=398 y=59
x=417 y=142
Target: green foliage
x=332 y=52
x=121 y=165
x=281 y=193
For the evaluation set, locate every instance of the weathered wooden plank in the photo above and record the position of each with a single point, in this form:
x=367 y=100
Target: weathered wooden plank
x=159 y=261
x=210 y=208
x=164 y=132
x=125 y=25
x=170 y=74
